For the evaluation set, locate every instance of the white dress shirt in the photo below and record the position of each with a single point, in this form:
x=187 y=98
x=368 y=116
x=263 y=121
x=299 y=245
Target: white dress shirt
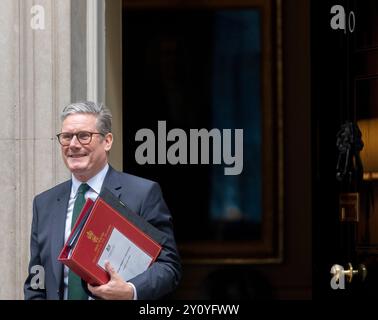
x=95 y=184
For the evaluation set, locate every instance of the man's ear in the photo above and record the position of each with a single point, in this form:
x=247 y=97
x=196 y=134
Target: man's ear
x=108 y=141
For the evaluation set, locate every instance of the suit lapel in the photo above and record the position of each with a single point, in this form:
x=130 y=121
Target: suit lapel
x=58 y=224
x=112 y=182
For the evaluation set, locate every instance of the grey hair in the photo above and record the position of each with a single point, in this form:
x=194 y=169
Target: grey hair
x=102 y=113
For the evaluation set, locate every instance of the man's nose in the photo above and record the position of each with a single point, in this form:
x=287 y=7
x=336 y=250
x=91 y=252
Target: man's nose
x=74 y=143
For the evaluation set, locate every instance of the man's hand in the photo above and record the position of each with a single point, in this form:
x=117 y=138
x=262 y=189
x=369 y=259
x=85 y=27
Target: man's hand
x=115 y=289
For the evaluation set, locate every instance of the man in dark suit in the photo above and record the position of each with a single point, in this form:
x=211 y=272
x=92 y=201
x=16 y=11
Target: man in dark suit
x=86 y=140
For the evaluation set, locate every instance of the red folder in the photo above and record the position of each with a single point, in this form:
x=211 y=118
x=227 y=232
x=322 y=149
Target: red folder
x=93 y=228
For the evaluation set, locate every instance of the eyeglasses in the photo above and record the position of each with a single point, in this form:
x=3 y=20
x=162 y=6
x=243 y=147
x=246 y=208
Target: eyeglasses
x=84 y=137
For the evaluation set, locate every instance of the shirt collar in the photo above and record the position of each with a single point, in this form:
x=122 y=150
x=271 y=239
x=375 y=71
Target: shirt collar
x=95 y=182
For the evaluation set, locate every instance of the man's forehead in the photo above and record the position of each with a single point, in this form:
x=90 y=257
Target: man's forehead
x=80 y=120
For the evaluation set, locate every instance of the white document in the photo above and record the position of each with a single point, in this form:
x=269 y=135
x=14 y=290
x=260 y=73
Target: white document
x=124 y=256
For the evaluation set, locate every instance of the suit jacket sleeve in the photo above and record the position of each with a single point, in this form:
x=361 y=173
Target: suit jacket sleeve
x=164 y=274
x=29 y=292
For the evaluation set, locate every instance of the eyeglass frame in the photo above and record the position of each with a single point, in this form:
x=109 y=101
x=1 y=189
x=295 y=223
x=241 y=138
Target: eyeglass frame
x=77 y=137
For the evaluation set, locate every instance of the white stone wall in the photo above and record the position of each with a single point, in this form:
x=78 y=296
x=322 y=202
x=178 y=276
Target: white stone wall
x=34 y=86
x=40 y=72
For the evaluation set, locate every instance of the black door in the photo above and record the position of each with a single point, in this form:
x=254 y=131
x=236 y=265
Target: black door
x=344 y=104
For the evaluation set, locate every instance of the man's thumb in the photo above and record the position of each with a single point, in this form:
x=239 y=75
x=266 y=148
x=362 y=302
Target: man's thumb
x=110 y=269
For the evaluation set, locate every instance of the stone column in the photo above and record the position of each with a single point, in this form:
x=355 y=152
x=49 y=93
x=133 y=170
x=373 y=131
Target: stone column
x=113 y=79
x=34 y=86
x=44 y=58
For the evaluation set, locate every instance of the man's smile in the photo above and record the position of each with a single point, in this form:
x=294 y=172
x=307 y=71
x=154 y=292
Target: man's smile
x=79 y=155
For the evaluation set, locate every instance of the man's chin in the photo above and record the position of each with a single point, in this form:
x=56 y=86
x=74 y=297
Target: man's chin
x=81 y=174
x=77 y=169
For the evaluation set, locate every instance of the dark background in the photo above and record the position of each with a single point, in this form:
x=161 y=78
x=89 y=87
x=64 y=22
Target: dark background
x=318 y=97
